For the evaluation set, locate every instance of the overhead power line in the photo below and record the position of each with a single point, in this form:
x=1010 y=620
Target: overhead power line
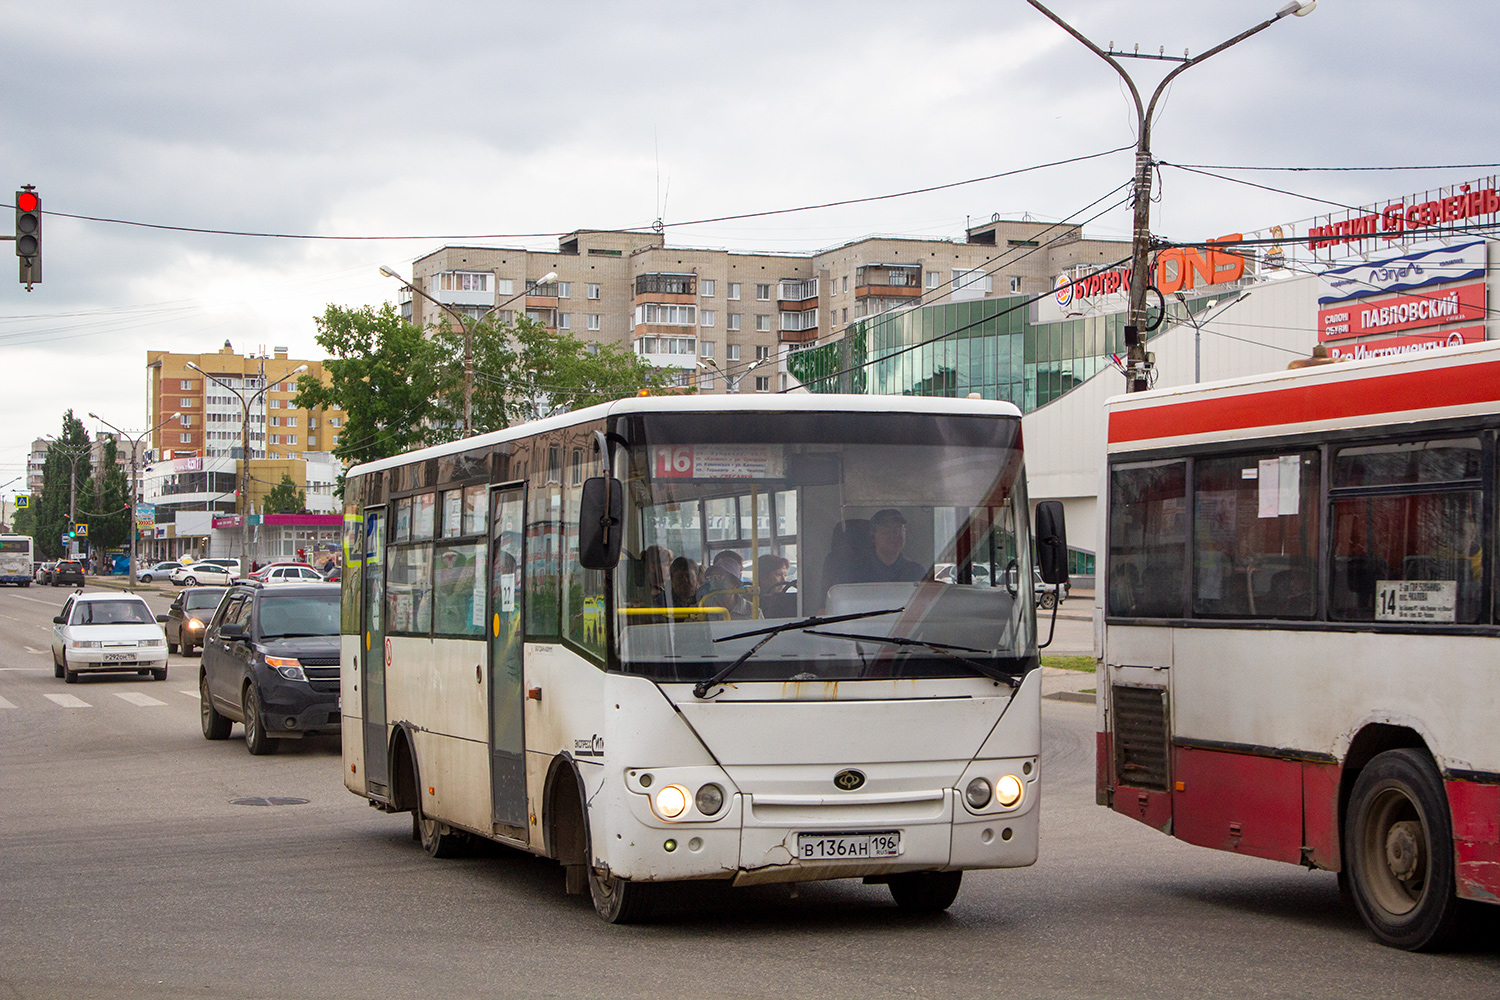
x=1335 y=170
x=211 y=231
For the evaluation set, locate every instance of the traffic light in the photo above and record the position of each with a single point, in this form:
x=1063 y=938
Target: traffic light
x=29 y=235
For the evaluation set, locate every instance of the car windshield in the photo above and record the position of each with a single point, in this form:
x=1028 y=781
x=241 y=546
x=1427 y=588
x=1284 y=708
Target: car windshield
x=200 y=599
x=112 y=613
x=289 y=615
x=914 y=524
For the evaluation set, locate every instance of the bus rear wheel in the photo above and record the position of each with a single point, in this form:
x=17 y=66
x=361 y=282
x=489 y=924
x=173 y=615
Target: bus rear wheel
x=1399 y=849
x=437 y=839
x=925 y=892
x=618 y=901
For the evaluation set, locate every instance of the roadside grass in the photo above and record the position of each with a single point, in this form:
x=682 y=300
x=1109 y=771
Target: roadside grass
x=1083 y=664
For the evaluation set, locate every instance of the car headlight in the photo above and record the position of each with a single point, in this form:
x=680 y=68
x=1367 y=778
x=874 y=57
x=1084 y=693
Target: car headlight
x=194 y=624
x=85 y=643
x=153 y=642
x=709 y=800
x=287 y=667
x=1008 y=790
x=671 y=801
x=977 y=794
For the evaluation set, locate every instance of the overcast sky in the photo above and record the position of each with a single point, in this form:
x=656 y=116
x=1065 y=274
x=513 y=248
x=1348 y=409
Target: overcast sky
x=446 y=120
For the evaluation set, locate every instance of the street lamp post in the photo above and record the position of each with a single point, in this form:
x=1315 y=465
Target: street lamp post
x=73 y=457
x=1138 y=366
x=245 y=448
x=135 y=484
x=732 y=381
x=468 y=329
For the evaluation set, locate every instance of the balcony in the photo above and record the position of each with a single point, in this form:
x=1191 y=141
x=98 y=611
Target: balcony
x=543 y=297
x=888 y=281
x=663 y=283
x=792 y=292
x=799 y=327
x=462 y=288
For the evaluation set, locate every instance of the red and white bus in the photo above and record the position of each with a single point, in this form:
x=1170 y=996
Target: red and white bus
x=1301 y=626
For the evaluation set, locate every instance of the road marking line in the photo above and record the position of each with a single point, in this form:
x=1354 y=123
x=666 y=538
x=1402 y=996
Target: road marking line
x=68 y=701
x=190 y=694
x=6 y=704
x=137 y=698
x=35 y=670
x=32 y=649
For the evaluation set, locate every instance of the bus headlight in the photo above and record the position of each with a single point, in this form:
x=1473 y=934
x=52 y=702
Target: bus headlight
x=672 y=801
x=978 y=793
x=710 y=799
x=1008 y=790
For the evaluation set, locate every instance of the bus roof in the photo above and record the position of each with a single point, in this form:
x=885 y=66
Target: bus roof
x=1450 y=382
x=727 y=403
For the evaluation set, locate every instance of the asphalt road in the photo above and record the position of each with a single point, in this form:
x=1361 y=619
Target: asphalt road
x=127 y=871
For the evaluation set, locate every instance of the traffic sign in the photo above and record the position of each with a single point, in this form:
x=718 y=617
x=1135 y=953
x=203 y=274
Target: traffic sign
x=22 y=502
x=82 y=530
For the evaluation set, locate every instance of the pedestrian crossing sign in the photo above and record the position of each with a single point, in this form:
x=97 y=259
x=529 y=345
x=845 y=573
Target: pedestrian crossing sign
x=22 y=502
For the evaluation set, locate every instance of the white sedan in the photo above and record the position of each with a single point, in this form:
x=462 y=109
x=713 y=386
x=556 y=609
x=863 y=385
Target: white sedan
x=107 y=632
x=199 y=572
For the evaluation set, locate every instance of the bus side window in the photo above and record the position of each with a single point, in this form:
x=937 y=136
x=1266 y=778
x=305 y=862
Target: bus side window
x=1147 y=540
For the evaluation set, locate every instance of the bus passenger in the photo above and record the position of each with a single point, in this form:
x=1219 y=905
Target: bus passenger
x=723 y=585
x=687 y=577
x=885 y=562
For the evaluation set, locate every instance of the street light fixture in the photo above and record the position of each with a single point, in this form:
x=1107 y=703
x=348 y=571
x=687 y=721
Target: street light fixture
x=1138 y=366
x=468 y=329
x=135 y=485
x=732 y=381
x=245 y=446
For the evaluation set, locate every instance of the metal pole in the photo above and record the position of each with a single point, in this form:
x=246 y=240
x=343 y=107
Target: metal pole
x=1138 y=364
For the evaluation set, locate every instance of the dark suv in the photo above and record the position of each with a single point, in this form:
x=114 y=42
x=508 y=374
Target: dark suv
x=67 y=572
x=271 y=661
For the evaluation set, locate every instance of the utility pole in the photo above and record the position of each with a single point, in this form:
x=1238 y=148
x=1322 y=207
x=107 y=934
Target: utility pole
x=135 y=482
x=468 y=331
x=1138 y=363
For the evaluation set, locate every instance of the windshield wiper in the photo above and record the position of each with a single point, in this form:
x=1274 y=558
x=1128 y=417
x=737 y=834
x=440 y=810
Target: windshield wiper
x=941 y=648
x=702 y=688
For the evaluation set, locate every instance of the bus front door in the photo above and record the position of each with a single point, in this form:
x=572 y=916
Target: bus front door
x=507 y=691
x=377 y=761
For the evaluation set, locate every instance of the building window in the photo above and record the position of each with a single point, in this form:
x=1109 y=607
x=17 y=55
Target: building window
x=275 y=438
x=505 y=286
x=184 y=439
x=762 y=383
x=734 y=291
x=275 y=421
x=734 y=321
x=291 y=439
x=705 y=380
x=312 y=440
x=846 y=284
x=762 y=323
x=291 y=421
x=593 y=289
x=666 y=314
x=185 y=402
x=335 y=421
x=464 y=281
x=1015 y=283
x=762 y=353
x=933 y=279
x=186 y=421
x=707 y=317
x=762 y=293
x=565 y=289
x=564 y=320
x=593 y=321
x=706 y=288
x=734 y=352
x=187 y=385
x=705 y=348
x=274 y=404
x=972 y=284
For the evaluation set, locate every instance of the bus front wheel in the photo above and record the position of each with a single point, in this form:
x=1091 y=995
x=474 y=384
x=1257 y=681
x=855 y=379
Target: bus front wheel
x=618 y=901
x=925 y=892
x=1399 y=849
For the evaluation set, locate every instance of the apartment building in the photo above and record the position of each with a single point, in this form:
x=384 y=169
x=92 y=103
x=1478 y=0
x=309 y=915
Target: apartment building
x=728 y=320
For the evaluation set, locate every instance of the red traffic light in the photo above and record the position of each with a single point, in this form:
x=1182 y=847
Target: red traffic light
x=27 y=201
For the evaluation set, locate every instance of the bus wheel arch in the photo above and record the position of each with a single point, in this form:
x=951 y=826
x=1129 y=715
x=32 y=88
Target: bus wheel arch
x=565 y=821
x=1372 y=740
x=406 y=779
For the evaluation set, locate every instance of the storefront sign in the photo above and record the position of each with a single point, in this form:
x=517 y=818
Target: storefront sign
x=145 y=516
x=1392 y=346
x=1432 y=265
x=1365 y=317
x=1079 y=291
x=230 y=521
x=1475 y=202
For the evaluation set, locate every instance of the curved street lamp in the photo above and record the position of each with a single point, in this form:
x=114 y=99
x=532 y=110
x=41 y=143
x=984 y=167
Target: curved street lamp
x=135 y=484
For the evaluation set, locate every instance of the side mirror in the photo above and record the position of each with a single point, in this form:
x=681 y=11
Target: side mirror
x=58 y=620
x=1051 y=542
x=161 y=618
x=232 y=630
x=601 y=516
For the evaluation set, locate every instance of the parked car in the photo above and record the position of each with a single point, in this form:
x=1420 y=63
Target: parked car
x=271 y=661
x=107 y=632
x=202 y=572
x=160 y=571
x=188 y=618
x=230 y=564
x=1049 y=595
x=67 y=573
x=292 y=574
x=261 y=573
x=44 y=573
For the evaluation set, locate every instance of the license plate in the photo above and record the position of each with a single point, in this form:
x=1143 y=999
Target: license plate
x=828 y=847
x=119 y=657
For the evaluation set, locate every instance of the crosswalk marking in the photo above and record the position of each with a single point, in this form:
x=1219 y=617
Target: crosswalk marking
x=68 y=701
x=6 y=704
x=137 y=698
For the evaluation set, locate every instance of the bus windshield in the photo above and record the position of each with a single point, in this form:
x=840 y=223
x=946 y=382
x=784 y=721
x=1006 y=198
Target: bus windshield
x=911 y=529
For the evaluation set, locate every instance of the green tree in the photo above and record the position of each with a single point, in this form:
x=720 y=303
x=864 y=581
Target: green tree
x=104 y=503
x=522 y=370
x=285 y=498
x=67 y=454
x=384 y=374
